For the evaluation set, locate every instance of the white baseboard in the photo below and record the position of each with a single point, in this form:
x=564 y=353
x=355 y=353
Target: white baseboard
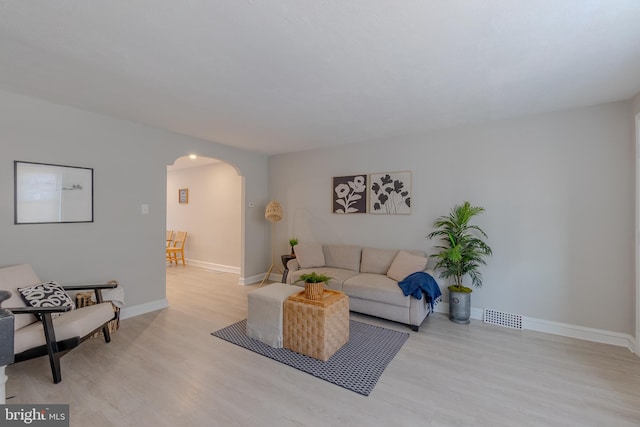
x=258 y=278
x=250 y=280
x=580 y=332
x=147 y=307
x=213 y=266
x=562 y=329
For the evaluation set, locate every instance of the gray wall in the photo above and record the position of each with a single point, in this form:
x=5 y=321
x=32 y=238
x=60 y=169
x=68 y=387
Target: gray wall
x=559 y=196
x=635 y=104
x=130 y=166
x=635 y=110
x=558 y=189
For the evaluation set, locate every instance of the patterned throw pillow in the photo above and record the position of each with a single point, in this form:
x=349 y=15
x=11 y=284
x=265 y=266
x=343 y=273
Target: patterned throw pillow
x=48 y=294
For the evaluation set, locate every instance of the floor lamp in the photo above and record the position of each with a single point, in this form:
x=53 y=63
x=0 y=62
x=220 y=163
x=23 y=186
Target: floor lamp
x=273 y=214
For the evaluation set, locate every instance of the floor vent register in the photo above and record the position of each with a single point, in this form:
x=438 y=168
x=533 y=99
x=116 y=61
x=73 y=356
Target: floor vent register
x=502 y=319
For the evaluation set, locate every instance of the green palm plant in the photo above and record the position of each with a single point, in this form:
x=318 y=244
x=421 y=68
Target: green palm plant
x=462 y=251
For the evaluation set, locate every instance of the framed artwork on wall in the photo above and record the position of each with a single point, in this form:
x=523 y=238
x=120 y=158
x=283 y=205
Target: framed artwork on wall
x=183 y=195
x=349 y=194
x=46 y=193
x=390 y=193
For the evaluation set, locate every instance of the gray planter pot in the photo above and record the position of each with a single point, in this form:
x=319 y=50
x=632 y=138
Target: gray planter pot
x=459 y=307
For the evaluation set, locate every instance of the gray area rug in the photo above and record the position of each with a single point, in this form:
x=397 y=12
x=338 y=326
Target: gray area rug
x=357 y=366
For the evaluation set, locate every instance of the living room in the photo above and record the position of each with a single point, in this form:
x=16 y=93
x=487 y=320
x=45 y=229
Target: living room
x=557 y=180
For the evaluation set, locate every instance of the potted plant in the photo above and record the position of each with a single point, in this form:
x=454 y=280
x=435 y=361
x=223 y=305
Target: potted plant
x=313 y=284
x=292 y=242
x=461 y=254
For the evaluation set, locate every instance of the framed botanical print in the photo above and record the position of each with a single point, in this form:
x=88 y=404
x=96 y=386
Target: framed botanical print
x=349 y=194
x=390 y=193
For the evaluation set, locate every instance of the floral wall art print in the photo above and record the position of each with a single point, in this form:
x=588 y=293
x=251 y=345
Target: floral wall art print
x=390 y=193
x=350 y=194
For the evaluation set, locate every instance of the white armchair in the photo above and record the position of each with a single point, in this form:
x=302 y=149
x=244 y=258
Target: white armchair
x=47 y=334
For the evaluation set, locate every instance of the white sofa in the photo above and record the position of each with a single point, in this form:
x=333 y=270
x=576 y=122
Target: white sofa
x=369 y=276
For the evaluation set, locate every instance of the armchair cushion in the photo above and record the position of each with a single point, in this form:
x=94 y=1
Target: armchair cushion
x=75 y=323
x=47 y=294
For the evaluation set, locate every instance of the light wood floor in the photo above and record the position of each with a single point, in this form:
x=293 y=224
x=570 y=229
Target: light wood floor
x=165 y=369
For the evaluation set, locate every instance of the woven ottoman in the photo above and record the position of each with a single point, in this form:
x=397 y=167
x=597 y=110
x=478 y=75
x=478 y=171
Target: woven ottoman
x=316 y=328
x=264 y=320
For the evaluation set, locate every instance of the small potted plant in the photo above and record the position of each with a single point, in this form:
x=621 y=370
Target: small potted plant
x=292 y=242
x=461 y=254
x=313 y=284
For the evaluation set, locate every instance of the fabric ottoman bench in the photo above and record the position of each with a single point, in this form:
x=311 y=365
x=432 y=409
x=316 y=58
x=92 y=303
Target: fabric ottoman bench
x=265 y=313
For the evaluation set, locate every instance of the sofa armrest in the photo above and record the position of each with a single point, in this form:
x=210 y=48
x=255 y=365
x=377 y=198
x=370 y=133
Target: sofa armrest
x=293 y=265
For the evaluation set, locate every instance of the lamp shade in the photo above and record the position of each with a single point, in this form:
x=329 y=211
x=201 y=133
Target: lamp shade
x=273 y=212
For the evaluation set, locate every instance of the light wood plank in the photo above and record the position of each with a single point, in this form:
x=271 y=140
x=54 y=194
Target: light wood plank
x=165 y=369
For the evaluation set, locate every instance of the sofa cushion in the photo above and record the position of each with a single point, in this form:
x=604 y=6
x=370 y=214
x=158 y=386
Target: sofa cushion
x=375 y=287
x=309 y=255
x=405 y=264
x=47 y=294
x=377 y=261
x=338 y=276
x=342 y=256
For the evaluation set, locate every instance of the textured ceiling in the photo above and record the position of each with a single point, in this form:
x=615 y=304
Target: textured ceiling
x=284 y=75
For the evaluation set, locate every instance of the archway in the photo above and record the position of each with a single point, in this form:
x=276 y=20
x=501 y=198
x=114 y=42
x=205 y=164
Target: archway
x=204 y=198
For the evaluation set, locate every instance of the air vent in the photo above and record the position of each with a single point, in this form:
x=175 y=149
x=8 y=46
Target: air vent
x=502 y=319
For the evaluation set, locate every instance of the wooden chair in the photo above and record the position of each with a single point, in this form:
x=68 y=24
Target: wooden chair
x=176 y=252
x=48 y=336
x=169 y=235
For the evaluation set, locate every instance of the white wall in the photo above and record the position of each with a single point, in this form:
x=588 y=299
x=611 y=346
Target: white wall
x=130 y=167
x=559 y=196
x=212 y=218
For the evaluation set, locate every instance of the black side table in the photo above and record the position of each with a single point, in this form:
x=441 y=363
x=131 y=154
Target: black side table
x=285 y=259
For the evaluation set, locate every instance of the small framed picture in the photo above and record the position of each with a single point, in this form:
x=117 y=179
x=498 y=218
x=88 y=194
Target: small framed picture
x=183 y=195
